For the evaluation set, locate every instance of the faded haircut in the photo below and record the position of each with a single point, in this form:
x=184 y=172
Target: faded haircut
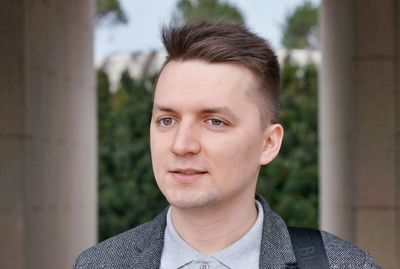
x=229 y=43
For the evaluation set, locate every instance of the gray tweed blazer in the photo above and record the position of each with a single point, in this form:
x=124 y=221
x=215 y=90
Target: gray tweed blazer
x=141 y=248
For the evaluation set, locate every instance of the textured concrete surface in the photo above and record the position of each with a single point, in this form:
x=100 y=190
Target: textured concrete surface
x=359 y=124
x=47 y=133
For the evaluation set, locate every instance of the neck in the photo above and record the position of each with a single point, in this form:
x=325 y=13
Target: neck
x=209 y=230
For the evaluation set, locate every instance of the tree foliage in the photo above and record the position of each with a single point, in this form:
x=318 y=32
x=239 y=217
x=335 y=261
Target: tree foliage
x=206 y=10
x=300 y=28
x=128 y=195
x=110 y=12
x=290 y=182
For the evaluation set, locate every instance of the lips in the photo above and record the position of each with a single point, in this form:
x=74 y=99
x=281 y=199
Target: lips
x=188 y=171
x=187 y=175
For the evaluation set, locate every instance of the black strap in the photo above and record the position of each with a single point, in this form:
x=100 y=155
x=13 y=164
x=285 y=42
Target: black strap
x=308 y=248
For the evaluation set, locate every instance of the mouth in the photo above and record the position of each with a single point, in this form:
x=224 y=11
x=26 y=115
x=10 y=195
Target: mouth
x=188 y=171
x=187 y=175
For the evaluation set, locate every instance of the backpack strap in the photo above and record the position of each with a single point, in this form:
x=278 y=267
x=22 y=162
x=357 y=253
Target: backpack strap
x=308 y=248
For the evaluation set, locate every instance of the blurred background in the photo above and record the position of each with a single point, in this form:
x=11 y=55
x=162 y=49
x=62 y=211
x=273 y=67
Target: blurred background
x=75 y=103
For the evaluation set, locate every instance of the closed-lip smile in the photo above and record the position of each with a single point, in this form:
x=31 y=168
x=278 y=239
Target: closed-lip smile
x=187 y=175
x=188 y=171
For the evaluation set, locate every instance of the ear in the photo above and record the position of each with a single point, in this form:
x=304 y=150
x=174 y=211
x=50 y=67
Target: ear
x=273 y=136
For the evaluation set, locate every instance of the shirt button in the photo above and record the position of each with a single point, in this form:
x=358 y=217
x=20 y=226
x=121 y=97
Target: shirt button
x=204 y=266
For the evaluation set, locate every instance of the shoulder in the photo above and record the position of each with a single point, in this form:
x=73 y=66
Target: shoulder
x=123 y=250
x=342 y=254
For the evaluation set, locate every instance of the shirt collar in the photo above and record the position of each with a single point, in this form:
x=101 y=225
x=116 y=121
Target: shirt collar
x=244 y=252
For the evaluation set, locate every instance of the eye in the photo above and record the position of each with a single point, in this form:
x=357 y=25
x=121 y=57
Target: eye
x=166 y=121
x=216 y=122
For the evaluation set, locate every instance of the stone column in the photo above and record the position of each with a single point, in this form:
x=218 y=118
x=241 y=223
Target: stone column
x=47 y=133
x=359 y=124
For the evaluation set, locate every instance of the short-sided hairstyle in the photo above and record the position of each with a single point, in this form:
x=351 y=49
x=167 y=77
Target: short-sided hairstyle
x=229 y=43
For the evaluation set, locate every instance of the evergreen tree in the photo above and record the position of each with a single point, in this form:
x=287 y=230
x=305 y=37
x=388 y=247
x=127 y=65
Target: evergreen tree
x=300 y=30
x=128 y=195
x=206 y=10
x=110 y=11
x=290 y=182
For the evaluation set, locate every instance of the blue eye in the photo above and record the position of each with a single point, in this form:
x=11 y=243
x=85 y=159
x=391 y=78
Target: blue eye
x=216 y=122
x=166 y=121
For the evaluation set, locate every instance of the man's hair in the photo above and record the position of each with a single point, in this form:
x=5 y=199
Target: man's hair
x=229 y=43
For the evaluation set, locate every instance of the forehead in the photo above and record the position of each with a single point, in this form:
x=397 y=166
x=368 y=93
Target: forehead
x=197 y=81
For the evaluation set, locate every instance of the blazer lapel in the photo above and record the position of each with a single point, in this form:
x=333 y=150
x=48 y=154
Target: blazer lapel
x=149 y=248
x=276 y=248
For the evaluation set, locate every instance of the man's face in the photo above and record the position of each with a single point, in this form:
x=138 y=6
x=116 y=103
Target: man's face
x=207 y=141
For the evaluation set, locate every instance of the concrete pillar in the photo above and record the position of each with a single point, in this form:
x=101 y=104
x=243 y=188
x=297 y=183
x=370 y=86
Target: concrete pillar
x=359 y=124
x=47 y=133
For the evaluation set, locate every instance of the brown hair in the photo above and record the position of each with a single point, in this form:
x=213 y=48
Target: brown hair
x=222 y=43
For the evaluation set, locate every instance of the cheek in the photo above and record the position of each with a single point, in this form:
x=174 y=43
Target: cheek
x=235 y=153
x=158 y=141
x=156 y=149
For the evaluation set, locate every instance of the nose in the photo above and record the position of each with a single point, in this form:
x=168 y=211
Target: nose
x=186 y=140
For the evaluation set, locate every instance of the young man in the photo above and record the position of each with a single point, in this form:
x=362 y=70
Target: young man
x=214 y=123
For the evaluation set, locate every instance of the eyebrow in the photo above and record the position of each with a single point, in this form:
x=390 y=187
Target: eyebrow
x=162 y=108
x=219 y=110
x=211 y=110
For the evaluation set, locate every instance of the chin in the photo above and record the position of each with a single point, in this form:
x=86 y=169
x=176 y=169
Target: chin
x=192 y=200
